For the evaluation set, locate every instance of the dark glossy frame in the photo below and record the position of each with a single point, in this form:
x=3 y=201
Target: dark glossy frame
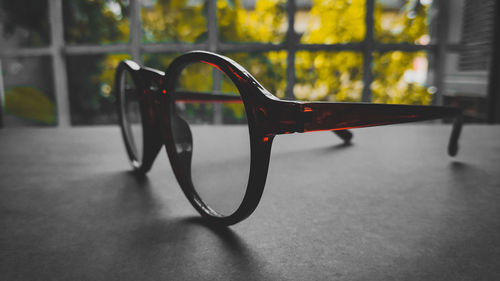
x=267 y=117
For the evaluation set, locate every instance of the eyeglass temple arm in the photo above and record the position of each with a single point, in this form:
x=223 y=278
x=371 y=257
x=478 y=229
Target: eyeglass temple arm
x=208 y=97
x=322 y=116
x=200 y=97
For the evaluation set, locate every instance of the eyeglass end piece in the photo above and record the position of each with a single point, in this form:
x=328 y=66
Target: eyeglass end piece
x=455 y=135
x=453 y=149
x=345 y=135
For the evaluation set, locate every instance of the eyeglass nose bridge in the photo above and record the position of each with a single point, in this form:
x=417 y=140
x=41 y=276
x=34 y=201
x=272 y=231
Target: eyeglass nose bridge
x=153 y=82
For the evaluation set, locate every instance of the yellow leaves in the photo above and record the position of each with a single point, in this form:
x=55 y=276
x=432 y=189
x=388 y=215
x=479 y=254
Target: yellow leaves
x=337 y=75
x=197 y=77
x=328 y=76
x=124 y=30
x=406 y=25
x=393 y=75
x=266 y=23
x=334 y=21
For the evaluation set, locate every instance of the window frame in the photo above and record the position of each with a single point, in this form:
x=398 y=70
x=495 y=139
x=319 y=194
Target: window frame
x=58 y=49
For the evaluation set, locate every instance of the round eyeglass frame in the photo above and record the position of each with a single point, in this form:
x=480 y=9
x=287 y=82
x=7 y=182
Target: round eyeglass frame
x=267 y=116
x=157 y=104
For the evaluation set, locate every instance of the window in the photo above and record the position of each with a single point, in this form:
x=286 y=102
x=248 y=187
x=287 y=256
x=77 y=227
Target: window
x=343 y=50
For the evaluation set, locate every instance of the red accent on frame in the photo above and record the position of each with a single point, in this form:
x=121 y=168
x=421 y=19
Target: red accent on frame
x=212 y=64
x=232 y=71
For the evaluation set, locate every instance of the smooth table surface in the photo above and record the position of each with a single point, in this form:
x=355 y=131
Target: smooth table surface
x=391 y=206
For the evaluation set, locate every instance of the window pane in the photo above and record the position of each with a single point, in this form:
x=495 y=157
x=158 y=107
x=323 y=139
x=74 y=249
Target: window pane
x=90 y=83
x=25 y=24
x=96 y=22
x=400 y=77
x=330 y=22
x=402 y=21
x=173 y=21
x=29 y=92
x=269 y=68
x=252 y=21
x=328 y=76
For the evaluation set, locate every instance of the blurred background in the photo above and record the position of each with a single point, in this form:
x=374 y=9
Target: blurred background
x=57 y=58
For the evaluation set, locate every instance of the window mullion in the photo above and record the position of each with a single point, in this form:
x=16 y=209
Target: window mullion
x=135 y=31
x=2 y=95
x=59 y=63
x=212 y=25
x=368 y=47
x=441 y=24
x=291 y=47
x=213 y=46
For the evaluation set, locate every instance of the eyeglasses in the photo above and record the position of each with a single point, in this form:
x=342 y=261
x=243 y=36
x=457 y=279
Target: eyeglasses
x=222 y=170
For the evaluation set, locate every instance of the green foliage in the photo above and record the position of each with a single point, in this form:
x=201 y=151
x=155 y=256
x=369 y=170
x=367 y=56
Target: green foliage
x=320 y=75
x=96 y=21
x=159 y=61
x=30 y=103
x=106 y=77
x=177 y=21
x=90 y=80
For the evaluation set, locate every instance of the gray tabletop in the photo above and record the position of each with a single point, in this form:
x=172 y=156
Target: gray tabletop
x=391 y=206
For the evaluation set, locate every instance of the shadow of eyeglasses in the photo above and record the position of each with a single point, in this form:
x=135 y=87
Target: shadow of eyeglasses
x=178 y=238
